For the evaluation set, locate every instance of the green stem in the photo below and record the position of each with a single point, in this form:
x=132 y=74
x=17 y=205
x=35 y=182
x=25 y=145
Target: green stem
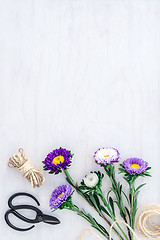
x=110 y=211
x=69 y=177
x=71 y=181
x=111 y=174
x=132 y=205
x=92 y=222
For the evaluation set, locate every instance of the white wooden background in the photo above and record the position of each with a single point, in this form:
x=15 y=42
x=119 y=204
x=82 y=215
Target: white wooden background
x=80 y=74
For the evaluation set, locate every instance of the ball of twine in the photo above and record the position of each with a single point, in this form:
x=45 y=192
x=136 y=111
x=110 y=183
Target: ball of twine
x=34 y=176
x=145 y=225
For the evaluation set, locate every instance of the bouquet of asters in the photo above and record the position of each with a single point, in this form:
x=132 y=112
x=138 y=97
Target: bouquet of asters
x=91 y=189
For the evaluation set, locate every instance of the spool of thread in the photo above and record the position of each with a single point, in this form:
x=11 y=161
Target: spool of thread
x=34 y=176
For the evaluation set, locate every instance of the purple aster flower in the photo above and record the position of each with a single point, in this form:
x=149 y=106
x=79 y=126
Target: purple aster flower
x=58 y=160
x=135 y=165
x=106 y=156
x=59 y=196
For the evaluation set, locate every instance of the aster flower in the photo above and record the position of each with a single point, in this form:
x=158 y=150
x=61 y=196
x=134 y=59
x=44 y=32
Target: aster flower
x=58 y=160
x=60 y=196
x=132 y=169
x=105 y=156
x=91 y=180
x=135 y=165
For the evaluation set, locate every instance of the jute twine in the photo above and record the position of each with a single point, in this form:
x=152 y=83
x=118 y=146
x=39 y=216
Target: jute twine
x=34 y=176
x=91 y=232
x=144 y=224
x=121 y=221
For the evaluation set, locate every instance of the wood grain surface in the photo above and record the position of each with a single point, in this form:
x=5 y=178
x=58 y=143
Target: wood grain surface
x=80 y=74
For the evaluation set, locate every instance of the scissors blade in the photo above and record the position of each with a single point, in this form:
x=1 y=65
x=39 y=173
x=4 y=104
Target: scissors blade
x=50 y=219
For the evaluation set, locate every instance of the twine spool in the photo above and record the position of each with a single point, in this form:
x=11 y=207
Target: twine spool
x=34 y=176
x=144 y=223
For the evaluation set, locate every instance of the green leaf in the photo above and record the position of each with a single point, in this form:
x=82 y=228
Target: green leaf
x=82 y=183
x=139 y=187
x=126 y=198
x=148 y=168
x=96 y=199
x=82 y=187
x=146 y=174
x=128 y=213
x=127 y=180
x=100 y=177
x=136 y=195
x=108 y=195
x=94 y=202
x=121 y=169
x=120 y=189
x=135 y=207
x=117 y=204
x=104 y=230
x=105 y=210
x=112 y=205
x=107 y=171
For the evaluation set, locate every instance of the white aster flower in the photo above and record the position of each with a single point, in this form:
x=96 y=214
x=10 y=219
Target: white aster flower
x=91 y=180
x=105 y=156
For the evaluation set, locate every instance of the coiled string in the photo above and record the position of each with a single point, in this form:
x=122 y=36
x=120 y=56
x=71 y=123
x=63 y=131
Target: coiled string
x=144 y=224
x=34 y=176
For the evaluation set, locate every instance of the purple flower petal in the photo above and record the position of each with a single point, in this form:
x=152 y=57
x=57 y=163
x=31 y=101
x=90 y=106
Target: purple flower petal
x=135 y=165
x=59 y=196
x=55 y=168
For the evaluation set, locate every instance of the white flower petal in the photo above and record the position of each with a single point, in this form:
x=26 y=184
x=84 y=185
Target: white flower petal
x=91 y=180
x=106 y=155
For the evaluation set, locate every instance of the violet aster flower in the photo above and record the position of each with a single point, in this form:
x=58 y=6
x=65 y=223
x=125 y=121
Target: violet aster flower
x=106 y=156
x=57 y=160
x=135 y=165
x=59 y=196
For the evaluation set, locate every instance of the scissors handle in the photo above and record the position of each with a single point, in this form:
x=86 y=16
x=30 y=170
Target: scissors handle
x=39 y=215
x=21 y=194
x=12 y=211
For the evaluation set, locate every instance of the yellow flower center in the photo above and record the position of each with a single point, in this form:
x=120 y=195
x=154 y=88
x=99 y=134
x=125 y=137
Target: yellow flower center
x=90 y=178
x=58 y=160
x=59 y=196
x=106 y=155
x=135 y=166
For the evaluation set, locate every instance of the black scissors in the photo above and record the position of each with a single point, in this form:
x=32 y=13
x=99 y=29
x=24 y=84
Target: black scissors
x=40 y=217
